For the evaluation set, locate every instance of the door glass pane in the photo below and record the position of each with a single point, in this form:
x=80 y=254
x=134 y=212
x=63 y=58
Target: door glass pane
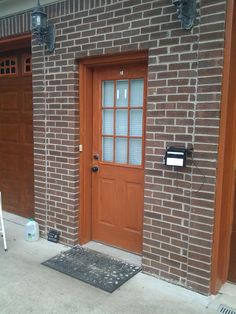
x=121 y=150
x=108 y=122
x=108 y=93
x=135 y=152
x=136 y=93
x=136 y=122
x=122 y=122
x=122 y=90
x=107 y=149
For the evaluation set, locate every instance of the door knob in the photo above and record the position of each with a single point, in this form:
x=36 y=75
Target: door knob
x=95 y=168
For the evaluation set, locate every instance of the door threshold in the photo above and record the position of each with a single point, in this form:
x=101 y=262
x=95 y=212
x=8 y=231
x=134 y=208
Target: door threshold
x=114 y=252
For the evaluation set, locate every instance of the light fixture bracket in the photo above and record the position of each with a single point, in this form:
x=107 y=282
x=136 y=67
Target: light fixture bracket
x=46 y=36
x=186 y=10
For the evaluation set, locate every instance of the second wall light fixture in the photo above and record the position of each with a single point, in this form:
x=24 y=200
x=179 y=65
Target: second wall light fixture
x=186 y=11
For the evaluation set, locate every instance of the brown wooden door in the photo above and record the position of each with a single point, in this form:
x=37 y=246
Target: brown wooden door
x=118 y=153
x=16 y=134
x=232 y=261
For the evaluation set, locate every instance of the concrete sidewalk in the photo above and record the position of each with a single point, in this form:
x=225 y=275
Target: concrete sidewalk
x=28 y=287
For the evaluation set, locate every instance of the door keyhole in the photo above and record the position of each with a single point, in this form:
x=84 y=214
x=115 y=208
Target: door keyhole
x=96 y=157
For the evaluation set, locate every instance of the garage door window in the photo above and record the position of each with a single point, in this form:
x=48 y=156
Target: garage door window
x=27 y=68
x=8 y=67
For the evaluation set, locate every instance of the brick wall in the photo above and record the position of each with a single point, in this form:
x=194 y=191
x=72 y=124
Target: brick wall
x=184 y=92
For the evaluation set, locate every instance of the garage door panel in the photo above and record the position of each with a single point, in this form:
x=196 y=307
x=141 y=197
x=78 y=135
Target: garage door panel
x=9 y=149
x=27 y=135
x=26 y=119
x=12 y=118
x=27 y=101
x=29 y=198
x=10 y=187
x=9 y=101
x=9 y=133
x=16 y=142
x=9 y=163
x=27 y=162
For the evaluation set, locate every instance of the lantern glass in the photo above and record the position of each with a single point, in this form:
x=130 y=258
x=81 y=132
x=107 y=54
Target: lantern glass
x=43 y=19
x=39 y=19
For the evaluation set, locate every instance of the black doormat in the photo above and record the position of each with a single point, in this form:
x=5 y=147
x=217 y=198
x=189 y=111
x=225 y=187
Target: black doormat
x=94 y=268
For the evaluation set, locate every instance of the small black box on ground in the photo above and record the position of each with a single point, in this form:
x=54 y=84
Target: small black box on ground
x=53 y=236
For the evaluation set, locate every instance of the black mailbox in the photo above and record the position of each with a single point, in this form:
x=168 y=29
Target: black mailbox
x=175 y=157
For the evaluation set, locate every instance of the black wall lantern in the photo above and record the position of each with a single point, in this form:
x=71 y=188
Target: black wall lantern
x=186 y=10
x=44 y=32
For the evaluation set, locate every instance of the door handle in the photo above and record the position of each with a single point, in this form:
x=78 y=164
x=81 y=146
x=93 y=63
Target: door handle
x=95 y=169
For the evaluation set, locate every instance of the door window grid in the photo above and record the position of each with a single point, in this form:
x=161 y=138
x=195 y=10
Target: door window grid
x=8 y=66
x=123 y=143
